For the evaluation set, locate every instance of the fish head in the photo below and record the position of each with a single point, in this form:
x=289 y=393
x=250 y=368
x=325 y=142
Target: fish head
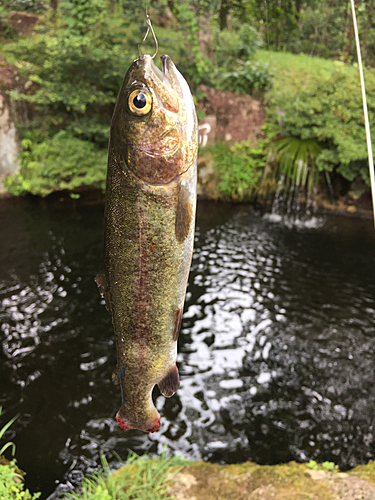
x=154 y=131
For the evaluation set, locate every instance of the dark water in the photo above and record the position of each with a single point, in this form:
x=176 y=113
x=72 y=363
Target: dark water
x=276 y=352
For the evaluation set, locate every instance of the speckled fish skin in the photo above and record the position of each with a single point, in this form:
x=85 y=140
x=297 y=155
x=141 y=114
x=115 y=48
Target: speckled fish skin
x=149 y=233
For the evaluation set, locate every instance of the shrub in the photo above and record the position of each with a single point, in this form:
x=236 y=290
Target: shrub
x=74 y=76
x=230 y=46
x=247 y=78
x=239 y=169
x=329 y=112
x=62 y=162
x=11 y=484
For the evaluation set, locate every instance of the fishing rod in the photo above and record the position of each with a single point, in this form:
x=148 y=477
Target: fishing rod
x=365 y=110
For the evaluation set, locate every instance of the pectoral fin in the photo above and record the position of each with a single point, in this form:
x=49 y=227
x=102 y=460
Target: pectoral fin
x=169 y=385
x=177 y=323
x=184 y=215
x=102 y=285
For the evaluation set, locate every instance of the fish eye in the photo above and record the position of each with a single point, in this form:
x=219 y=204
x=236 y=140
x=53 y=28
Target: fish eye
x=140 y=102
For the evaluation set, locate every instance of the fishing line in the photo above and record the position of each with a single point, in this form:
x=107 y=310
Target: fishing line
x=365 y=110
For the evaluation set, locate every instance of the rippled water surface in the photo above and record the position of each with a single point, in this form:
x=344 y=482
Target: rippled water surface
x=276 y=351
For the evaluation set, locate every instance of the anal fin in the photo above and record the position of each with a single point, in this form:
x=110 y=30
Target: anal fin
x=169 y=385
x=102 y=285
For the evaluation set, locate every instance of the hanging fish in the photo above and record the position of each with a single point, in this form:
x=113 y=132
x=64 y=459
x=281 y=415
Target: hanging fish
x=149 y=230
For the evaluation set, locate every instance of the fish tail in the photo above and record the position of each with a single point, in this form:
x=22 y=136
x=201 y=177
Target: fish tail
x=151 y=425
x=146 y=418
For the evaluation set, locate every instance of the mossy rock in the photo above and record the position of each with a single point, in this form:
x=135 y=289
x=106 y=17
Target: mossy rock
x=282 y=482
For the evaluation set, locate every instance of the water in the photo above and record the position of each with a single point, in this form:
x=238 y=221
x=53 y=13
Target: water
x=276 y=351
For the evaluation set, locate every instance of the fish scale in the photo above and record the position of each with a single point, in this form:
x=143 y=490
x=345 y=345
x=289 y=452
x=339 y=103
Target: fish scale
x=149 y=232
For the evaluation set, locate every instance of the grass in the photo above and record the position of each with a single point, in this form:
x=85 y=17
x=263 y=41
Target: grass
x=141 y=479
x=2 y=432
x=295 y=70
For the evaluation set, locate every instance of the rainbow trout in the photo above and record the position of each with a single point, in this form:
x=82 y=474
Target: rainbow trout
x=149 y=229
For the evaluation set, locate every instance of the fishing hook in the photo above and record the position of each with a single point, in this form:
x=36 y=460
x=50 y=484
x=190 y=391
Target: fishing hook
x=148 y=21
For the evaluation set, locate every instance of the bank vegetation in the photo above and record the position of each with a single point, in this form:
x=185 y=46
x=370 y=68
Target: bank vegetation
x=298 y=59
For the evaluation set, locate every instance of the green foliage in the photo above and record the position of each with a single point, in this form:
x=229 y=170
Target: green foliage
x=75 y=79
x=11 y=484
x=239 y=169
x=80 y=15
x=74 y=67
x=24 y=5
x=57 y=163
x=329 y=466
x=278 y=19
x=297 y=72
x=141 y=478
x=74 y=74
x=247 y=78
x=330 y=112
x=198 y=67
x=234 y=45
x=323 y=30
x=236 y=71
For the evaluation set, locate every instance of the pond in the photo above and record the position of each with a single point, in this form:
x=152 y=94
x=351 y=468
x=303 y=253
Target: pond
x=276 y=351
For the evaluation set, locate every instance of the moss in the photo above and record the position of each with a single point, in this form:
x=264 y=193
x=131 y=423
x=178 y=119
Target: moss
x=365 y=471
x=249 y=481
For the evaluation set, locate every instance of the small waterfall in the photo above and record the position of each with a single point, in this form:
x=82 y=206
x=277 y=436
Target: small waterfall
x=295 y=202
x=295 y=196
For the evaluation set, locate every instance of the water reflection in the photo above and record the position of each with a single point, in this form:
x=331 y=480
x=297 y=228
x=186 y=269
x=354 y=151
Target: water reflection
x=276 y=351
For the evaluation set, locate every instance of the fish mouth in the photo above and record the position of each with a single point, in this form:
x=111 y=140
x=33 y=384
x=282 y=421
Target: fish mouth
x=167 y=145
x=167 y=66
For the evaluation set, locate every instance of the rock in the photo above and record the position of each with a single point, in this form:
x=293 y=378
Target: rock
x=357 y=189
x=317 y=475
x=23 y=23
x=8 y=141
x=263 y=493
x=238 y=117
x=353 y=488
x=185 y=482
x=206 y=481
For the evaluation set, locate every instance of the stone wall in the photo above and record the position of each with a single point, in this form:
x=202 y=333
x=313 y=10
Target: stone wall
x=9 y=147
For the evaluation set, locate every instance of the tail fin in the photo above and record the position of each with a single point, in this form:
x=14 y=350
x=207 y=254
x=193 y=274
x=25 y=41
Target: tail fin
x=139 y=413
x=150 y=425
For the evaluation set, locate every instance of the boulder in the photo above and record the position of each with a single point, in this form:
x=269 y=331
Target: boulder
x=9 y=148
x=23 y=23
x=238 y=117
